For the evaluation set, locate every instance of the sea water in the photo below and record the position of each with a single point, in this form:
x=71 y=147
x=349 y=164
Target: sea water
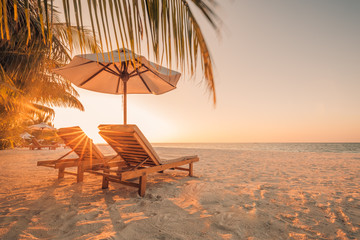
x=282 y=147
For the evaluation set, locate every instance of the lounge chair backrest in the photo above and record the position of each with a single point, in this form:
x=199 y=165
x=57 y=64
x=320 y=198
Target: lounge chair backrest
x=80 y=143
x=129 y=142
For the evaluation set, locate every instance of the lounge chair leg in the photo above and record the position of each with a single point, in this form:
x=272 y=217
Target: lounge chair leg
x=191 y=169
x=142 y=186
x=105 y=181
x=80 y=174
x=61 y=173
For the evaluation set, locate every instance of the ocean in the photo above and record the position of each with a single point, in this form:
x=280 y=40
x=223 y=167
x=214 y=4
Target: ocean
x=282 y=147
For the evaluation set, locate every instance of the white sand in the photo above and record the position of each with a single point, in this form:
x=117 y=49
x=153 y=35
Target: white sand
x=236 y=195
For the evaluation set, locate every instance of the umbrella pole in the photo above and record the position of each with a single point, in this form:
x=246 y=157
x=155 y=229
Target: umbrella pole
x=125 y=102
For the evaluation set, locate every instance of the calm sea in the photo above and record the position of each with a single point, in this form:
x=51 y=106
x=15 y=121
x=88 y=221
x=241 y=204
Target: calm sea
x=283 y=147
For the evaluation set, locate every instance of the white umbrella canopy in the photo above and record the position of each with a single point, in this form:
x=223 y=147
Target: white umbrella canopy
x=119 y=72
x=26 y=135
x=42 y=126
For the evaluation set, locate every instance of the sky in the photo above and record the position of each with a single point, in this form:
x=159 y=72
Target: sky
x=285 y=71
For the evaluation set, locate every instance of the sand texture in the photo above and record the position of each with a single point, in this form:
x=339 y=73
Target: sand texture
x=235 y=195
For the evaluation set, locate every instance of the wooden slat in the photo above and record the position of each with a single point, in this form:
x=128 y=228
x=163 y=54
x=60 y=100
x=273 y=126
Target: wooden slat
x=77 y=163
x=40 y=163
x=139 y=172
x=48 y=165
x=122 y=140
x=132 y=156
x=114 y=179
x=115 y=142
x=132 y=160
x=181 y=168
x=136 y=148
x=87 y=164
x=135 y=157
x=125 y=138
x=66 y=164
x=128 y=155
x=122 y=145
x=136 y=160
x=139 y=148
x=125 y=141
x=102 y=169
x=43 y=163
x=109 y=164
x=70 y=173
x=115 y=134
x=96 y=172
x=142 y=153
x=134 y=153
x=140 y=163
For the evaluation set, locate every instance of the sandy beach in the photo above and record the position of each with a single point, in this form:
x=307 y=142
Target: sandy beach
x=235 y=195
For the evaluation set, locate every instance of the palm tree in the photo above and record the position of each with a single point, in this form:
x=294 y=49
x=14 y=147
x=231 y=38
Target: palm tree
x=171 y=28
x=27 y=86
x=28 y=39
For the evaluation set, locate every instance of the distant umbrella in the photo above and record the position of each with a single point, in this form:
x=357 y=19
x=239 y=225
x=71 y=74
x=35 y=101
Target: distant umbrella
x=42 y=126
x=120 y=72
x=26 y=135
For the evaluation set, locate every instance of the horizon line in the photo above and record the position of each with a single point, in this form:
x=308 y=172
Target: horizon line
x=234 y=142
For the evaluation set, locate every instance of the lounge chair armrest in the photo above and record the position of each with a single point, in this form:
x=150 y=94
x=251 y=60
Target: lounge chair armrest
x=166 y=161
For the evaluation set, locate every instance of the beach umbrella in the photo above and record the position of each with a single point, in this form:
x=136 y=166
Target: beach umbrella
x=26 y=135
x=119 y=72
x=42 y=126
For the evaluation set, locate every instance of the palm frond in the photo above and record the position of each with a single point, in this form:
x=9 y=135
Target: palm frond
x=27 y=85
x=172 y=31
x=5 y=17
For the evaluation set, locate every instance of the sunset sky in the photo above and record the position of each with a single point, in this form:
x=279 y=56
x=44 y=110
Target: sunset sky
x=286 y=71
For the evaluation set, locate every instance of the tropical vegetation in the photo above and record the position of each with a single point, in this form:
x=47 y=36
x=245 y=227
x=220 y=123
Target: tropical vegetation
x=32 y=42
x=28 y=89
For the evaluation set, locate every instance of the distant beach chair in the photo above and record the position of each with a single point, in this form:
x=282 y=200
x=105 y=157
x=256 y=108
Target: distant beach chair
x=36 y=145
x=89 y=155
x=139 y=156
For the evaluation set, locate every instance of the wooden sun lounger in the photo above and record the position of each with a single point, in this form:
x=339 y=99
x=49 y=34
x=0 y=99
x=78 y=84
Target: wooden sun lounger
x=139 y=156
x=36 y=145
x=89 y=155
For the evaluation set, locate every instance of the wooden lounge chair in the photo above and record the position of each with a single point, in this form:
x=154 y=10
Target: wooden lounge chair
x=89 y=155
x=36 y=145
x=139 y=156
